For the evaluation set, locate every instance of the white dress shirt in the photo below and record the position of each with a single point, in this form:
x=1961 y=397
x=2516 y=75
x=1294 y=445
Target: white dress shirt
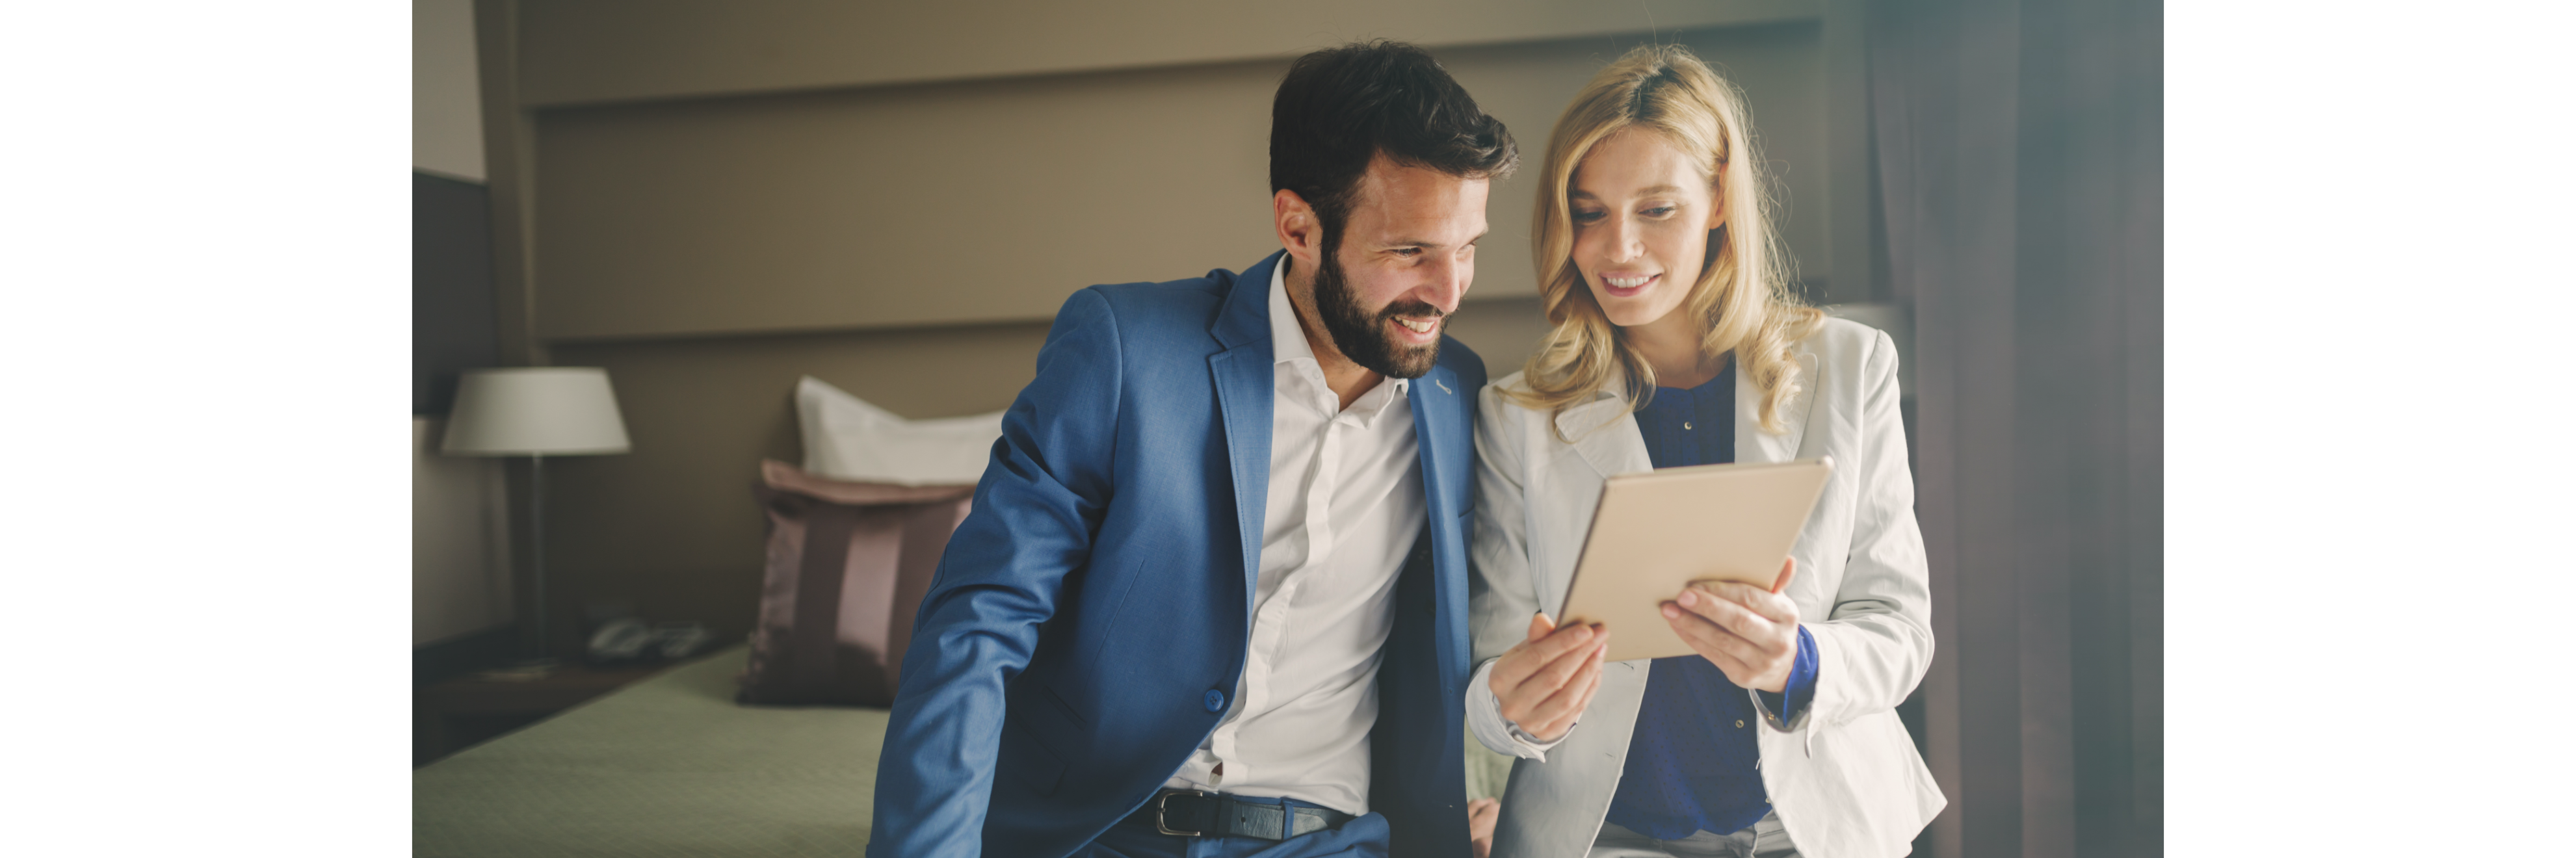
x=1345 y=507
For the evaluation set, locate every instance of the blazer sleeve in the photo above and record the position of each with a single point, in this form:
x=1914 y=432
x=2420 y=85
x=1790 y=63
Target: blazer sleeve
x=1035 y=513
x=1501 y=594
x=1877 y=642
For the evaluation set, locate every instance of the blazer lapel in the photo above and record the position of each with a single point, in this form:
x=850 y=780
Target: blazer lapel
x=1438 y=413
x=1752 y=445
x=1245 y=386
x=1447 y=442
x=1605 y=434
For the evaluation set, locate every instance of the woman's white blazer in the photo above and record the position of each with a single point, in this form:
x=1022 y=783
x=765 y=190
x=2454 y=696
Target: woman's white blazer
x=1844 y=777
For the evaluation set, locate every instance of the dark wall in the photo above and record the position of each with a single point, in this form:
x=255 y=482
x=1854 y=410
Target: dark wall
x=453 y=326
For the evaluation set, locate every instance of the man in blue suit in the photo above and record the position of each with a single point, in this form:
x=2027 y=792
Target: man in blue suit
x=1212 y=599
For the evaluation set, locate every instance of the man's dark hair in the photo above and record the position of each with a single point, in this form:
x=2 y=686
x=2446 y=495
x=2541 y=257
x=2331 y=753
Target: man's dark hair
x=1339 y=107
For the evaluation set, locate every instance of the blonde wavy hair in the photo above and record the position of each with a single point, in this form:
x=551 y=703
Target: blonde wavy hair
x=1741 y=297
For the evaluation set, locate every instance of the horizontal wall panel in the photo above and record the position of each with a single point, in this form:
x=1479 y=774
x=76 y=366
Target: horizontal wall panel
x=590 y=51
x=919 y=205
x=991 y=201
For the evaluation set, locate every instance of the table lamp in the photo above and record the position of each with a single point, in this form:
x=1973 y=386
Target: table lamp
x=535 y=412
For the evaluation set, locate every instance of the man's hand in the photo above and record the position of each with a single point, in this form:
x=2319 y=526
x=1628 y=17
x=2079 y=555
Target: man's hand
x=1481 y=815
x=1750 y=634
x=1544 y=682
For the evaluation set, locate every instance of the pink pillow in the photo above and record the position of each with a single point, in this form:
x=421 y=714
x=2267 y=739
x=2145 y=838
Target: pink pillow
x=848 y=564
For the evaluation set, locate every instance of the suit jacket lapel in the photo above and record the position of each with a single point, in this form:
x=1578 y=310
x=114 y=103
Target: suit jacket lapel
x=1437 y=416
x=1245 y=386
x=1752 y=445
x=1605 y=434
x=1447 y=443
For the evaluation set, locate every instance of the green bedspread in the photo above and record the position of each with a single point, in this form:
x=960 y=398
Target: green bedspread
x=672 y=766
x=667 y=766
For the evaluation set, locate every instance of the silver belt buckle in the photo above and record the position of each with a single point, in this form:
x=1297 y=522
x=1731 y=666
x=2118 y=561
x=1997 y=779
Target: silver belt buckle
x=1162 y=803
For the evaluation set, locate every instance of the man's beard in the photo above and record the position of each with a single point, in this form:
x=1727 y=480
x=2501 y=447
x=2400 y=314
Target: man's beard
x=1363 y=337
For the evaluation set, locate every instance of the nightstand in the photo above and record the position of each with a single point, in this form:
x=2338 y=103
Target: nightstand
x=468 y=710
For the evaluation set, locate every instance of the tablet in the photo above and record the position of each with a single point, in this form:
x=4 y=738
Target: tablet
x=1656 y=532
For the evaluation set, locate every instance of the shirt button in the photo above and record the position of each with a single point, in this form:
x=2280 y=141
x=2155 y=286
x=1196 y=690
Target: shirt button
x=1216 y=701
x=1686 y=425
x=1739 y=722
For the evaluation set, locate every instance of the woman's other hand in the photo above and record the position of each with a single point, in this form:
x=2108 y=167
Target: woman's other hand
x=1544 y=682
x=1750 y=634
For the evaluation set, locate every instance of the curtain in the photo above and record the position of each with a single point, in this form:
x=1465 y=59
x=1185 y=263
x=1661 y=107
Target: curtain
x=2018 y=151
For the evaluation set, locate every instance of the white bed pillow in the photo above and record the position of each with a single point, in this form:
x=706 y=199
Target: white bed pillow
x=848 y=439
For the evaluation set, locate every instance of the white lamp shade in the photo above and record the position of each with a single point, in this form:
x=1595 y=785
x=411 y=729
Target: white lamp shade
x=551 y=411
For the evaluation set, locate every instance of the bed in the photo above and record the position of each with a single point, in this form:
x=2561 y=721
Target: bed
x=668 y=766
x=673 y=766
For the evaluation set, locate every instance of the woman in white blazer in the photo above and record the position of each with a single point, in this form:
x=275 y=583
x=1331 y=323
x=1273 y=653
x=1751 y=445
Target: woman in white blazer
x=1658 y=275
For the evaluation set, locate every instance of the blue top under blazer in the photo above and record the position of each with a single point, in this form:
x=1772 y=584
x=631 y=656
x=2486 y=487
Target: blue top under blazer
x=1061 y=664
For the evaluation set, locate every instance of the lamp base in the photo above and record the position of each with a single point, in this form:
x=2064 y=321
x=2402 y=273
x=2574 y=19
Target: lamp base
x=522 y=670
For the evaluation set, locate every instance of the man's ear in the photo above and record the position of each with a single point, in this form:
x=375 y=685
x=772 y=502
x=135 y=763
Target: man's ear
x=1299 y=231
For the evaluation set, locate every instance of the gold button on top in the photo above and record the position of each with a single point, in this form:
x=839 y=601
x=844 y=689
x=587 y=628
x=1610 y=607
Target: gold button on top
x=1739 y=723
x=1686 y=425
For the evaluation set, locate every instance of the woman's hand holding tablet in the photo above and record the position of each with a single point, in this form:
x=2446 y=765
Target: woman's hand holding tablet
x=1749 y=633
x=1545 y=682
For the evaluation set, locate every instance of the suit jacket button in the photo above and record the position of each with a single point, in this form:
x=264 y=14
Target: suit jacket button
x=1215 y=700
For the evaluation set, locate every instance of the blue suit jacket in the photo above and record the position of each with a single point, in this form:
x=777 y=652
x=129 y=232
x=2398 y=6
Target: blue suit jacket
x=1060 y=665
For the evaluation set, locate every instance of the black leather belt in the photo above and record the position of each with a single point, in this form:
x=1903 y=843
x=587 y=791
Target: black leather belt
x=1190 y=813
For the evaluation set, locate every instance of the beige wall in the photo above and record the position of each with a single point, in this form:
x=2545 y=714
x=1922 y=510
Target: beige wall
x=895 y=199
x=601 y=51
x=991 y=201
x=446 y=111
